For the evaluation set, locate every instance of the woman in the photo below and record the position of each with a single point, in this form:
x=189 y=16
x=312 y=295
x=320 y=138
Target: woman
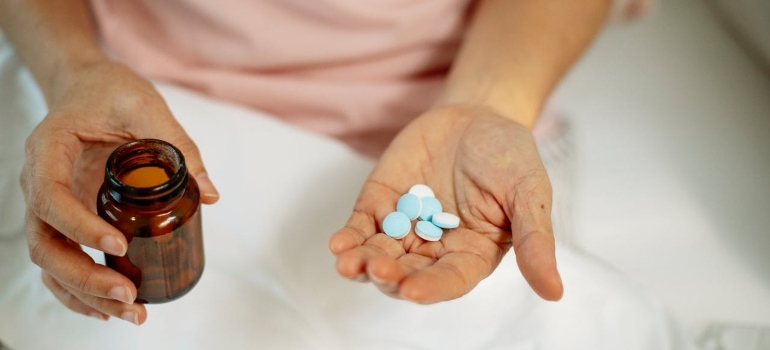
x=461 y=83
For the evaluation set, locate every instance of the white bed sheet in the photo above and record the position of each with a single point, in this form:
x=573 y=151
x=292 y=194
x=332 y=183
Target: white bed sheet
x=270 y=281
x=672 y=129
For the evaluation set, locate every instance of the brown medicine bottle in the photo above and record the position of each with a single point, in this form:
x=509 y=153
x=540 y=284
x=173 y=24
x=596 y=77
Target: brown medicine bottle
x=148 y=195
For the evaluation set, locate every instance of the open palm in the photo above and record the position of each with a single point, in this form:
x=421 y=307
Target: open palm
x=482 y=167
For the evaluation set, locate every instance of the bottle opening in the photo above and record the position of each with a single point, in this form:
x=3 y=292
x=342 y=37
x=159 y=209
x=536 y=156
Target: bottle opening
x=146 y=176
x=146 y=170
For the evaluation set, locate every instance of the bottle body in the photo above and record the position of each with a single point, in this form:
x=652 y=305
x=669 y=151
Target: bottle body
x=161 y=220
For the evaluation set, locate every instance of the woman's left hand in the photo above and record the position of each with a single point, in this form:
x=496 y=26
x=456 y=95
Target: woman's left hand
x=482 y=167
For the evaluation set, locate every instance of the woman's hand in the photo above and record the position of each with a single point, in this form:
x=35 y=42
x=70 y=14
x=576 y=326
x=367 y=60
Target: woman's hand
x=93 y=109
x=482 y=167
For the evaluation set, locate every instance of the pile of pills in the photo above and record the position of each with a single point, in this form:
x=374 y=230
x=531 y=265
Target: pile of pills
x=420 y=202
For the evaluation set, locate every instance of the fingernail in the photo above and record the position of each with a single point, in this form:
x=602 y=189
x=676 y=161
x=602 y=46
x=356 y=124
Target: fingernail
x=121 y=293
x=96 y=314
x=361 y=278
x=112 y=246
x=206 y=186
x=377 y=279
x=385 y=284
x=130 y=316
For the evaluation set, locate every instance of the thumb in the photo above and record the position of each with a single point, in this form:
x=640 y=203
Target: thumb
x=532 y=232
x=179 y=138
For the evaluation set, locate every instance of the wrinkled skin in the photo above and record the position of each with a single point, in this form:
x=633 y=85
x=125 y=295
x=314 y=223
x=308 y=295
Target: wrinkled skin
x=482 y=167
x=93 y=111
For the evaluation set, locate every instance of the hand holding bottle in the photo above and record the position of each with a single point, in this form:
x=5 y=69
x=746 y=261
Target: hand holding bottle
x=94 y=109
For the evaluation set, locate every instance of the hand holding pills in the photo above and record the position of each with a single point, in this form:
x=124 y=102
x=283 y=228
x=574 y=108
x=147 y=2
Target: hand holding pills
x=474 y=185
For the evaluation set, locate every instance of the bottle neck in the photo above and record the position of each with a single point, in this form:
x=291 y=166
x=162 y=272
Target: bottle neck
x=157 y=154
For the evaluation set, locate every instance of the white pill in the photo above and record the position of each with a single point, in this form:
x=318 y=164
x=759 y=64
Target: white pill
x=421 y=190
x=445 y=220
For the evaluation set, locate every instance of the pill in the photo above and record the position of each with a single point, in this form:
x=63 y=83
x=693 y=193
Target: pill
x=410 y=205
x=421 y=191
x=445 y=220
x=428 y=231
x=430 y=206
x=396 y=225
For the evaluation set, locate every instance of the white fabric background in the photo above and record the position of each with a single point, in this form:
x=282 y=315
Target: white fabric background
x=672 y=129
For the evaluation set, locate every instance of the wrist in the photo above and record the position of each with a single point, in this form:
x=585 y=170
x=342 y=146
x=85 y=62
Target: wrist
x=504 y=106
x=503 y=100
x=465 y=112
x=65 y=71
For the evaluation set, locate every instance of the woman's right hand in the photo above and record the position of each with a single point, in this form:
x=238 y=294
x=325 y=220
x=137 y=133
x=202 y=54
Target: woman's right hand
x=92 y=110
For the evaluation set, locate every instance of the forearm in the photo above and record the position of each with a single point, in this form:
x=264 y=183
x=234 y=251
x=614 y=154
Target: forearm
x=515 y=52
x=53 y=37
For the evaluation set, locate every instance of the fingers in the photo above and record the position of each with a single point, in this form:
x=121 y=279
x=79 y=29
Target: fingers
x=67 y=215
x=366 y=218
x=135 y=313
x=353 y=262
x=358 y=242
x=73 y=268
x=465 y=259
x=179 y=138
x=48 y=195
x=532 y=236
x=69 y=300
x=451 y=277
x=462 y=259
x=535 y=255
x=357 y=230
x=365 y=255
x=383 y=261
x=387 y=272
x=209 y=193
x=79 y=302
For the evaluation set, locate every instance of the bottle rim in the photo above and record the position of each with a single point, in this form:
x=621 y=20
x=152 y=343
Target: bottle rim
x=144 y=152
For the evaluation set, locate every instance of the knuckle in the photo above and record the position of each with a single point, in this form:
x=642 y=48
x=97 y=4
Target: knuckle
x=76 y=227
x=83 y=281
x=463 y=284
x=532 y=237
x=62 y=145
x=70 y=301
x=192 y=146
x=23 y=179
x=189 y=148
x=487 y=261
x=536 y=178
x=47 y=280
x=39 y=202
x=30 y=143
x=146 y=96
x=142 y=96
x=37 y=253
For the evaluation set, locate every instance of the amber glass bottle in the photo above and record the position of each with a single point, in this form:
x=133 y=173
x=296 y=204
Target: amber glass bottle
x=148 y=195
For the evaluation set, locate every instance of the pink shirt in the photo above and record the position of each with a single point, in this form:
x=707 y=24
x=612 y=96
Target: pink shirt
x=358 y=70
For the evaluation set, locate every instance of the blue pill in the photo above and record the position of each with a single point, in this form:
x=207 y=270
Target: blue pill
x=428 y=231
x=396 y=225
x=430 y=206
x=410 y=205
